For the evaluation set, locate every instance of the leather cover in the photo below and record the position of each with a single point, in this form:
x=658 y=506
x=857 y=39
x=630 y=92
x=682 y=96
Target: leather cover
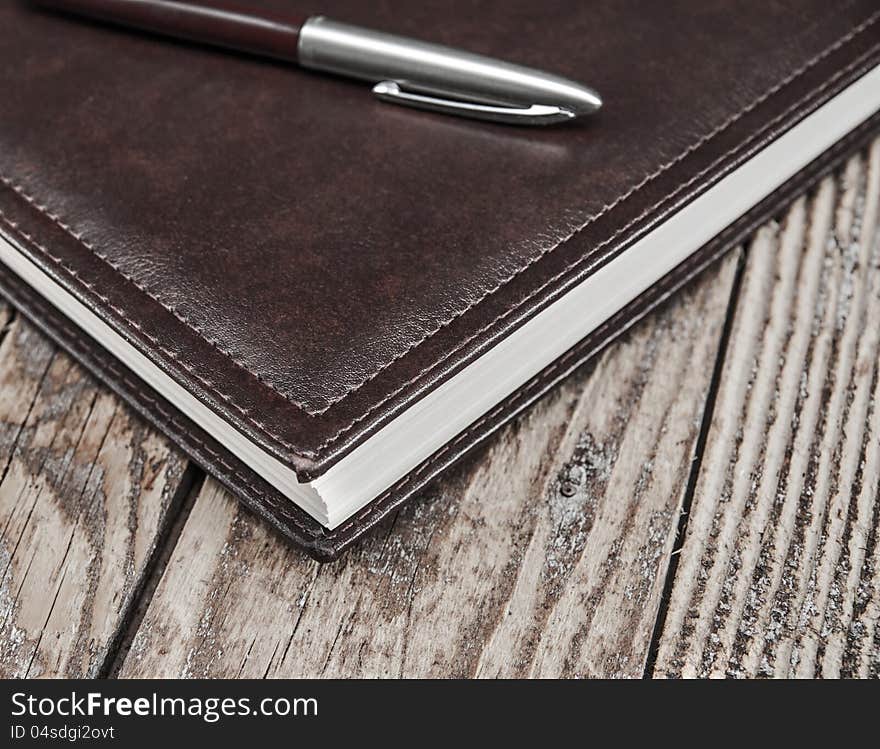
x=309 y=261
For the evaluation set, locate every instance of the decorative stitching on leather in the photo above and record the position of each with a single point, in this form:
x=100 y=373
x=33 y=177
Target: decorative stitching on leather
x=155 y=341
x=333 y=438
x=584 y=352
x=151 y=338
x=137 y=389
x=545 y=375
x=605 y=209
x=549 y=373
x=621 y=198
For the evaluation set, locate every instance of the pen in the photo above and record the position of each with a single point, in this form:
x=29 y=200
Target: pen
x=402 y=70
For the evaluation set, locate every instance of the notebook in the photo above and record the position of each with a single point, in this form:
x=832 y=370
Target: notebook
x=326 y=300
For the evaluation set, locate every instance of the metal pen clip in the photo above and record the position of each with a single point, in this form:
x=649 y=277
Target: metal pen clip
x=441 y=79
x=534 y=114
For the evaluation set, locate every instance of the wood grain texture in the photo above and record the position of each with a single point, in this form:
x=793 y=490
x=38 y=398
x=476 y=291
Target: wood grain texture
x=85 y=491
x=779 y=574
x=544 y=555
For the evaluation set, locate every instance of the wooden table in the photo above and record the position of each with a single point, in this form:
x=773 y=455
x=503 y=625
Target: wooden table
x=700 y=501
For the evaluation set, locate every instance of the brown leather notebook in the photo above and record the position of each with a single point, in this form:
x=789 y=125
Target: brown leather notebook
x=327 y=300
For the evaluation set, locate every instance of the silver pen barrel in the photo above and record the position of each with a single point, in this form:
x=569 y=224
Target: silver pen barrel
x=440 y=78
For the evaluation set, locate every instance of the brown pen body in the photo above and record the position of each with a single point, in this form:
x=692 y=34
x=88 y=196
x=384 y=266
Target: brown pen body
x=229 y=25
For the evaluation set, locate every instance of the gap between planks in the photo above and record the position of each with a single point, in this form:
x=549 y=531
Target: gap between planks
x=86 y=493
x=779 y=573
x=544 y=555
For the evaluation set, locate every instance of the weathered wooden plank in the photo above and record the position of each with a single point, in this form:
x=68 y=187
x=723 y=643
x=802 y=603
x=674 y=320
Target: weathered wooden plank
x=779 y=571
x=85 y=493
x=543 y=556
